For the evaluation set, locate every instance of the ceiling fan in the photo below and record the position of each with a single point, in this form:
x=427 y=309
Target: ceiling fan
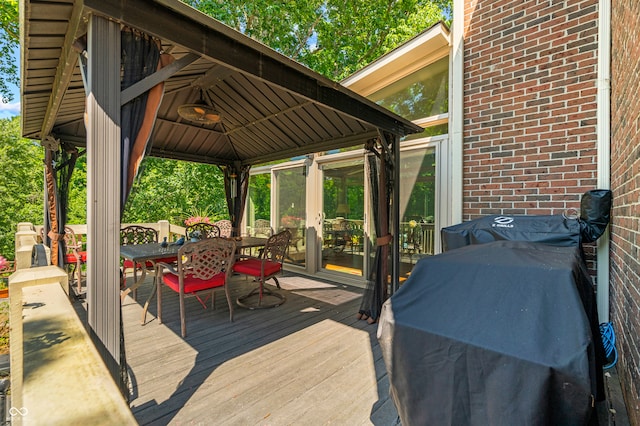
x=200 y=112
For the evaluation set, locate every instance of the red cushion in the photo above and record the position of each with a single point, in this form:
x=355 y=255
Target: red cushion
x=253 y=266
x=128 y=264
x=193 y=284
x=71 y=258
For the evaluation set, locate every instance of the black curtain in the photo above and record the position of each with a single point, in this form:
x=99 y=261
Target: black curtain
x=236 y=186
x=140 y=57
x=379 y=173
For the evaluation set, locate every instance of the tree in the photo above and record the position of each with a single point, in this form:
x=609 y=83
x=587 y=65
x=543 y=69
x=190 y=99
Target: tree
x=9 y=41
x=332 y=37
x=174 y=190
x=21 y=177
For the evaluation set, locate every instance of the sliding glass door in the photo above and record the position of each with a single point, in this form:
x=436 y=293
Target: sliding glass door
x=289 y=209
x=343 y=206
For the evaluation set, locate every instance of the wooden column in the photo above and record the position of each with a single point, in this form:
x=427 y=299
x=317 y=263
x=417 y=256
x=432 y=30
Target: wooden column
x=103 y=189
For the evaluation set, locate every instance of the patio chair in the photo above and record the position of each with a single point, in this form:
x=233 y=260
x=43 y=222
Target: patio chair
x=75 y=257
x=262 y=228
x=136 y=234
x=226 y=228
x=203 y=267
x=263 y=268
x=207 y=230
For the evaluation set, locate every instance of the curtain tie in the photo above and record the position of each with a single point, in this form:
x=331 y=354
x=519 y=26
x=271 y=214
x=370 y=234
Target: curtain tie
x=55 y=237
x=383 y=241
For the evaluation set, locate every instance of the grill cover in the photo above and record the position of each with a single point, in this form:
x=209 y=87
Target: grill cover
x=500 y=333
x=557 y=230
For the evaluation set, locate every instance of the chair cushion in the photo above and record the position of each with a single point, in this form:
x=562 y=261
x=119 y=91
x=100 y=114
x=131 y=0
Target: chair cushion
x=167 y=259
x=128 y=264
x=193 y=284
x=252 y=267
x=71 y=258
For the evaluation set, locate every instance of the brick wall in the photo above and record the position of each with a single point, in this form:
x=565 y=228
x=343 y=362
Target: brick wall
x=529 y=105
x=625 y=183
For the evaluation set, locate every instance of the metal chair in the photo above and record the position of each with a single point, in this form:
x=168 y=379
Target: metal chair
x=263 y=268
x=226 y=228
x=262 y=228
x=136 y=234
x=75 y=257
x=203 y=267
x=207 y=230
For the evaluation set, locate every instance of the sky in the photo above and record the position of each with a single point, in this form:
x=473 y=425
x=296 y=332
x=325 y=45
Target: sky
x=13 y=108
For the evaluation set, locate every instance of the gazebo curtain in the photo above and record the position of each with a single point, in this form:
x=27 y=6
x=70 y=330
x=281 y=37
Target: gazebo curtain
x=141 y=57
x=379 y=174
x=236 y=185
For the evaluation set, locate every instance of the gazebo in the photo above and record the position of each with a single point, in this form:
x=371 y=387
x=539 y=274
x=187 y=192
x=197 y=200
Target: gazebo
x=120 y=79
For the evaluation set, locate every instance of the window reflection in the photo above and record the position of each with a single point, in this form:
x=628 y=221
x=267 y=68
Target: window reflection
x=421 y=94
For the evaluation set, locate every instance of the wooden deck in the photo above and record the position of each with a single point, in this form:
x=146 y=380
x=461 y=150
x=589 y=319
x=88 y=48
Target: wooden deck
x=307 y=361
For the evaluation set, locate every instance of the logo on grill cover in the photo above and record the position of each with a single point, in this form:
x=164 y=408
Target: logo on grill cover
x=503 y=222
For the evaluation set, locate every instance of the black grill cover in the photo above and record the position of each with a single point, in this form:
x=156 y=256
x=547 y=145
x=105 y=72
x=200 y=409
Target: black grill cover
x=494 y=334
x=557 y=230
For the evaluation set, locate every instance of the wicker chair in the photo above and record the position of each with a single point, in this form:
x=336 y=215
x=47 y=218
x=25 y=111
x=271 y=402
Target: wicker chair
x=203 y=267
x=263 y=268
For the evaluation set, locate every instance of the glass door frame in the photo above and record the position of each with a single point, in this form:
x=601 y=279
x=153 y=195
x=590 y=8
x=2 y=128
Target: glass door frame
x=305 y=162
x=317 y=208
x=442 y=193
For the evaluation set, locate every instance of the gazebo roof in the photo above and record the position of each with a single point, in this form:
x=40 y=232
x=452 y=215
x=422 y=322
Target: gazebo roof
x=272 y=107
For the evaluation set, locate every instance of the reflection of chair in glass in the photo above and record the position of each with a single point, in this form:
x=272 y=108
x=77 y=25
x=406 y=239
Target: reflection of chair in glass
x=263 y=268
x=226 y=227
x=262 y=228
x=75 y=256
x=296 y=252
x=206 y=230
x=342 y=233
x=203 y=267
x=412 y=240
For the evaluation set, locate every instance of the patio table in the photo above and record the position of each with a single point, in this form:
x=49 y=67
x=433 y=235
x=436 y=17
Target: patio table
x=142 y=253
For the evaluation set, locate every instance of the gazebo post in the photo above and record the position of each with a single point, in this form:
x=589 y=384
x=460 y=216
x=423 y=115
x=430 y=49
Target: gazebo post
x=103 y=193
x=395 y=212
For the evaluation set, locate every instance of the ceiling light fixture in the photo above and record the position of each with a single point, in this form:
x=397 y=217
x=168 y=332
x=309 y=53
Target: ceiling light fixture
x=199 y=112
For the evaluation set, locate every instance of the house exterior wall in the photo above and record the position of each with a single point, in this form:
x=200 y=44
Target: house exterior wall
x=625 y=183
x=530 y=70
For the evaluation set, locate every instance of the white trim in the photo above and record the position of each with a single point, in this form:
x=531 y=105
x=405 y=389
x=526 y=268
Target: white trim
x=341 y=156
x=604 y=148
x=426 y=48
x=434 y=120
x=455 y=156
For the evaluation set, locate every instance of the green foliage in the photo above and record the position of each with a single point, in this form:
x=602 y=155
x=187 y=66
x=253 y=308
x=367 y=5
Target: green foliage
x=260 y=195
x=9 y=40
x=77 y=203
x=174 y=190
x=332 y=37
x=4 y=327
x=21 y=183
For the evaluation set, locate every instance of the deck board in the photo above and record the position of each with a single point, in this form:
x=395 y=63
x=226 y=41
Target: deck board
x=307 y=361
